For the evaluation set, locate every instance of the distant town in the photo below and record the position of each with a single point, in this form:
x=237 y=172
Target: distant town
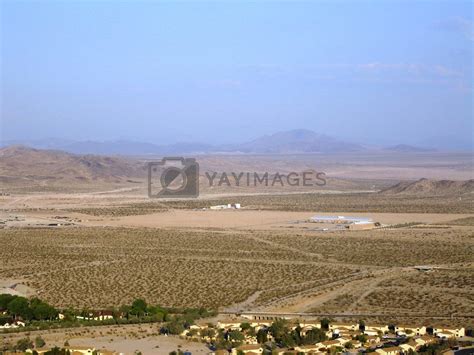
x=230 y=334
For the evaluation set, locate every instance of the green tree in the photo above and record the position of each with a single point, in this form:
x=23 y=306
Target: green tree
x=314 y=335
x=362 y=338
x=5 y=299
x=192 y=332
x=236 y=337
x=288 y=340
x=19 y=307
x=43 y=311
x=125 y=310
x=278 y=329
x=24 y=344
x=39 y=342
x=245 y=326
x=349 y=345
x=325 y=323
x=139 y=307
x=58 y=351
x=175 y=326
x=208 y=332
x=296 y=335
x=262 y=336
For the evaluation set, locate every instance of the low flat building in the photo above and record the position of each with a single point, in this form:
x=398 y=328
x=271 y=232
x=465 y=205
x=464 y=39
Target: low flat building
x=361 y=226
x=339 y=219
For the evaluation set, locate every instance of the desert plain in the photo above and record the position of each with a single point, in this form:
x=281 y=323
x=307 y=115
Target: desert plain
x=94 y=243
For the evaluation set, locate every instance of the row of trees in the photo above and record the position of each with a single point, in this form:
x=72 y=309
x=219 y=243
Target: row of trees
x=176 y=320
x=27 y=309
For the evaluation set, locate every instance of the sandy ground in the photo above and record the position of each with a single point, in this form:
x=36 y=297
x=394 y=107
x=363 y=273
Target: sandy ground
x=15 y=287
x=225 y=219
x=125 y=339
x=115 y=197
x=149 y=345
x=253 y=219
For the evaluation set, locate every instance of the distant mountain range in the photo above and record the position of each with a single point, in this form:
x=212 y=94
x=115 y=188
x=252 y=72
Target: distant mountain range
x=22 y=166
x=288 y=142
x=405 y=148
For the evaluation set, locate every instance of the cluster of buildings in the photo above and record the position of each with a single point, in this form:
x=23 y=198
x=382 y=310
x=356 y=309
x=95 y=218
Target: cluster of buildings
x=12 y=324
x=229 y=206
x=383 y=340
x=351 y=223
x=94 y=315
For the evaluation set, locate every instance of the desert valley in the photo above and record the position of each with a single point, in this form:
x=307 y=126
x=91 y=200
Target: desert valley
x=79 y=232
x=236 y=177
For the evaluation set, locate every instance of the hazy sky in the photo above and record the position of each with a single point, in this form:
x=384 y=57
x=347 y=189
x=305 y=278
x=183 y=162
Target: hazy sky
x=375 y=72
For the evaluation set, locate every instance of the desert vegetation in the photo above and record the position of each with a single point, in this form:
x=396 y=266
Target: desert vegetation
x=98 y=267
x=131 y=209
x=349 y=202
x=92 y=268
x=305 y=202
x=468 y=221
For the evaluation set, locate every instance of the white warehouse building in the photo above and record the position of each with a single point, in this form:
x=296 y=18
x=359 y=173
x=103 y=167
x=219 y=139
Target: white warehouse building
x=340 y=219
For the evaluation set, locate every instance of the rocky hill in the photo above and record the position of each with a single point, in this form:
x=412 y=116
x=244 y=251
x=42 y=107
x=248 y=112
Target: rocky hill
x=432 y=187
x=23 y=163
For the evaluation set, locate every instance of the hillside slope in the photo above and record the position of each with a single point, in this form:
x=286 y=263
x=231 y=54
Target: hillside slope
x=23 y=163
x=431 y=187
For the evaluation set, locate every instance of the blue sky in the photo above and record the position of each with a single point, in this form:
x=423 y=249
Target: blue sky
x=372 y=72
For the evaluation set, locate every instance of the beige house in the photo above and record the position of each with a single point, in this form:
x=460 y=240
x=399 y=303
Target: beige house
x=221 y=352
x=248 y=349
x=39 y=351
x=235 y=324
x=375 y=329
x=344 y=327
x=310 y=324
x=425 y=339
x=445 y=333
x=371 y=333
x=356 y=344
x=394 y=350
x=308 y=349
x=373 y=339
x=410 y=330
x=328 y=344
x=80 y=350
x=408 y=346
